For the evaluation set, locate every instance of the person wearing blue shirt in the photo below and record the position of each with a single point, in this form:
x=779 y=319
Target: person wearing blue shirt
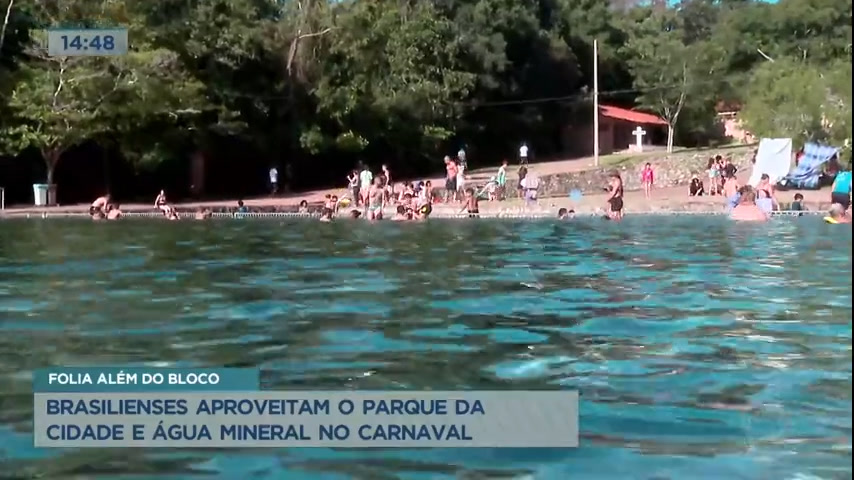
x=841 y=191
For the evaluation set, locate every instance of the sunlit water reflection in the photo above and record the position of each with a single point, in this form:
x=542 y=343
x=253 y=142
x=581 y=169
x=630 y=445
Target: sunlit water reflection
x=703 y=349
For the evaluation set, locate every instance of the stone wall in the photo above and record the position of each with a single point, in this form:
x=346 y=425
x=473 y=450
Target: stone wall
x=670 y=171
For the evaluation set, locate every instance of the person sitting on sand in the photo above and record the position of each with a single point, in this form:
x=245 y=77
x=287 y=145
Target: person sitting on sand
x=100 y=205
x=746 y=210
x=696 y=188
x=838 y=214
x=161 y=204
x=303 y=207
x=113 y=211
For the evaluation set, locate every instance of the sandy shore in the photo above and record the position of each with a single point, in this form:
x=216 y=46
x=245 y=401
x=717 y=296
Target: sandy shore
x=673 y=199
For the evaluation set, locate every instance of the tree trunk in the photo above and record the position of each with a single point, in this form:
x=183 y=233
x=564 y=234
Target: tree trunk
x=669 y=138
x=51 y=158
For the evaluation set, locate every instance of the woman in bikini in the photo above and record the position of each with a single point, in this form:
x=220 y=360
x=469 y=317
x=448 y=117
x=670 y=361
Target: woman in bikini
x=615 y=197
x=161 y=204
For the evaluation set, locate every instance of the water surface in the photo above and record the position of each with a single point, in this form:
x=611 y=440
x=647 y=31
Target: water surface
x=702 y=349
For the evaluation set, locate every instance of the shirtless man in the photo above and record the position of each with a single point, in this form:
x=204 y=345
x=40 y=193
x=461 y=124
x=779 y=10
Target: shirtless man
x=375 y=200
x=100 y=205
x=113 y=211
x=731 y=191
x=747 y=210
x=471 y=205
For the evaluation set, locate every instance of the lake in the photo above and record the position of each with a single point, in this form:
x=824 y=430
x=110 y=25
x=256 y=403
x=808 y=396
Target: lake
x=702 y=348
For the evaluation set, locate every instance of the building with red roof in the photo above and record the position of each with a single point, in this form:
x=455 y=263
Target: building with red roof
x=616 y=127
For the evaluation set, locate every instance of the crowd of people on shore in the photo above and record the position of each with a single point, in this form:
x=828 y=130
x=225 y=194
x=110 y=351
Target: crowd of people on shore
x=369 y=195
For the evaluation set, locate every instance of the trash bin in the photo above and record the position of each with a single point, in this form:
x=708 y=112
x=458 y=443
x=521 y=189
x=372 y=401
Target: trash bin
x=40 y=194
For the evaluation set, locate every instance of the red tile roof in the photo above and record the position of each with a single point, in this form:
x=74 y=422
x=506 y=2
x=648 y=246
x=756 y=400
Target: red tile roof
x=618 y=113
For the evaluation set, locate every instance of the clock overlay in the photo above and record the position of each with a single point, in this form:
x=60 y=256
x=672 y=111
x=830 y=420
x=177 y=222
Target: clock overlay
x=88 y=42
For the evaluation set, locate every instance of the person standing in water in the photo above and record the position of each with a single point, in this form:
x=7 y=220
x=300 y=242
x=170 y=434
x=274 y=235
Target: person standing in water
x=471 y=205
x=388 y=187
x=747 y=210
x=366 y=179
x=615 y=196
x=376 y=200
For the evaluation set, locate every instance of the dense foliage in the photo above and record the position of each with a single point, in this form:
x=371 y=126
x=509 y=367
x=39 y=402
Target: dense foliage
x=316 y=84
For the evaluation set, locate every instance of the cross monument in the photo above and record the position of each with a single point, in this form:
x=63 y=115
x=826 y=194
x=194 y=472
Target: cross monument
x=639 y=133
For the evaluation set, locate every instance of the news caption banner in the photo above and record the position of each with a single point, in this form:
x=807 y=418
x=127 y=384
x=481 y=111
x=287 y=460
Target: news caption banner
x=222 y=408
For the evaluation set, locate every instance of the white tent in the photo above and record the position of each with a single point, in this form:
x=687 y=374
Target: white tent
x=774 y=158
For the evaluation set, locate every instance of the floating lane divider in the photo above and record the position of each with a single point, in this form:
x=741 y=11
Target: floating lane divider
x=438 y=215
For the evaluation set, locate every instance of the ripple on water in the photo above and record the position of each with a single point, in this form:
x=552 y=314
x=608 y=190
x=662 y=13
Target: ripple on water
x=701 y=349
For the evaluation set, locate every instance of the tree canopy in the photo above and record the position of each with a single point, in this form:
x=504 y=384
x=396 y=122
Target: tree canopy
x=318 y=84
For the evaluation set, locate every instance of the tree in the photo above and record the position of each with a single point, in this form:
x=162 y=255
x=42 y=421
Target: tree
x=789 y=98
x=669 y=70
x=390 y=78
x=60 y=102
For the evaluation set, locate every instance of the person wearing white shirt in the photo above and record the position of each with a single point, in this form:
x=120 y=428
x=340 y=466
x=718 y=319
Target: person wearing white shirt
x=274 y=180
x=366 y=179
x=461 y=176
x=523 y=154
x=461 y=156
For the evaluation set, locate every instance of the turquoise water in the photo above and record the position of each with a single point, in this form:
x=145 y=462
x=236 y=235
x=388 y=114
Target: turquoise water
x=702 y=349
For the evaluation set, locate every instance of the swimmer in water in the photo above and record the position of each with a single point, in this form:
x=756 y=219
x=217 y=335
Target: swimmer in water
x=564 y=214
x=747 y=210
x=354 y=214
x=100 y=205
x=113 y=211
x=400 y=215
x=326 y=215
x=203 y=214
x=837 y=214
